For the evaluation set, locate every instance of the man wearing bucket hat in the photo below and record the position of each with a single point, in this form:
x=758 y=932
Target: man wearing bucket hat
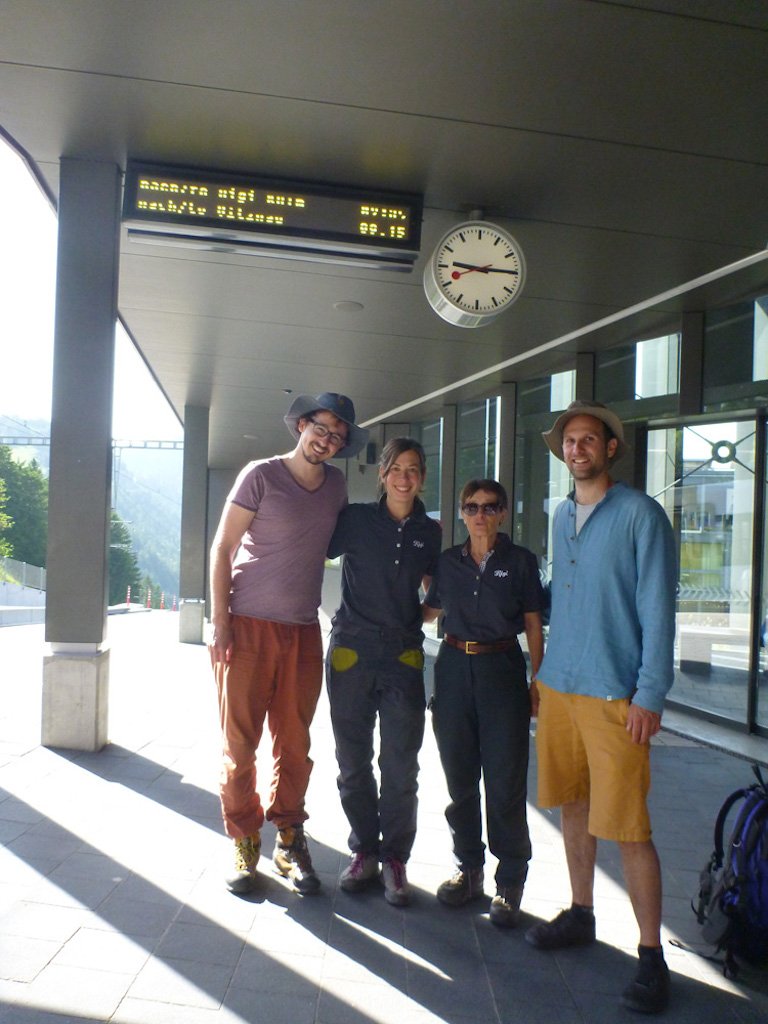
x=606 y=671
x=266 y=574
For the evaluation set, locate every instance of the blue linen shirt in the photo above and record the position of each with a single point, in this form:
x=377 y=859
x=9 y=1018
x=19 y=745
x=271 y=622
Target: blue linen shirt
x=384 y=564
x=490 y=605
x=612 y=625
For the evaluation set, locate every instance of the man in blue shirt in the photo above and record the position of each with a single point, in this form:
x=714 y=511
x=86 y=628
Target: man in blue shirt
x=607 y=669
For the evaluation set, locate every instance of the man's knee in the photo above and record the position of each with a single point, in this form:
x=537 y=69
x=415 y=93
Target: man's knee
x=575 y=808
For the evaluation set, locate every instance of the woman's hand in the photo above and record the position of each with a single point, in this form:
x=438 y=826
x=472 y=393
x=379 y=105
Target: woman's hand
x=533 y=693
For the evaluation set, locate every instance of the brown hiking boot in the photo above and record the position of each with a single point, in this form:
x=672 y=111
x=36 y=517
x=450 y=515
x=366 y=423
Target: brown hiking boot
x=292 y=860
x=505 y=906
x=247 y=853
x=466 y=885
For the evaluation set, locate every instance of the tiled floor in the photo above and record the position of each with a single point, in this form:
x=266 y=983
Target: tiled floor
x=112 y=906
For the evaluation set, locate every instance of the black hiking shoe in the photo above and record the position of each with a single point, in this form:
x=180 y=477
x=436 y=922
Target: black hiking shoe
x=572 y=927
x=649 y=991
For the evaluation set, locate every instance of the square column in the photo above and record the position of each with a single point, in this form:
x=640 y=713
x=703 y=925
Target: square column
x=76 y=674
x=194 y=519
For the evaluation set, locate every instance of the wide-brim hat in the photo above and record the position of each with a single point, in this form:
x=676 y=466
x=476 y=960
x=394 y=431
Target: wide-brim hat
x=341 y=407
x=554 y=436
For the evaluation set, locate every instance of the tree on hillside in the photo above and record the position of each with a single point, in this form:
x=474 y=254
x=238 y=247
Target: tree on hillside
x=124 y=570
x=150 y=590
x=27 y=505
x=5 y=523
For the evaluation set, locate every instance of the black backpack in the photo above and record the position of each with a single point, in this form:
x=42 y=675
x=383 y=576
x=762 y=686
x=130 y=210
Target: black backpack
x=732 y=905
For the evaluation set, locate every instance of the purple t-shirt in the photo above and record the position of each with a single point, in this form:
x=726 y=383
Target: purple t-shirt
x=277 y=572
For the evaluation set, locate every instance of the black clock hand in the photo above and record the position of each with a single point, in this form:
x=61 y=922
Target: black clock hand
x=487 y=269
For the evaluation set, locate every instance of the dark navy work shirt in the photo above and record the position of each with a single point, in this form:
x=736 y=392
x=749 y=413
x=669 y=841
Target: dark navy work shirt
x=491 y=605
x=384 y=564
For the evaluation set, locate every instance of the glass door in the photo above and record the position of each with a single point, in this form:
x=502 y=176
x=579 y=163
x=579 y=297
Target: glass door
x=704 y=476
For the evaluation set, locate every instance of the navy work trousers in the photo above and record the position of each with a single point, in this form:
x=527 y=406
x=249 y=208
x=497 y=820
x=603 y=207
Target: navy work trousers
x=369 y=677
x=481 y=718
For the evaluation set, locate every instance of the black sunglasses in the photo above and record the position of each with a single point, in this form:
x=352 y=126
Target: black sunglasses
x=472 y=508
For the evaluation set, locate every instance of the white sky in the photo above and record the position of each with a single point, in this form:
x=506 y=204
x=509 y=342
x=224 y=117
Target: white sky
x=27 y=283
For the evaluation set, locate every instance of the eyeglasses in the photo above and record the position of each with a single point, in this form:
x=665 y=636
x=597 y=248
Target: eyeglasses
x=472 y=508
x=320 y=430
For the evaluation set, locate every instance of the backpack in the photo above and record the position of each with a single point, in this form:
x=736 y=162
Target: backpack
x=732 y=905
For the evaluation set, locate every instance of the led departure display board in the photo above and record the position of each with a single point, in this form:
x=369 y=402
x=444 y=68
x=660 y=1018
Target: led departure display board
x=220 y=205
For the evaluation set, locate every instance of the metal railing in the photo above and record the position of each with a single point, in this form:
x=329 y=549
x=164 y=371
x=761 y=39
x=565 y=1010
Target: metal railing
x=13 y=571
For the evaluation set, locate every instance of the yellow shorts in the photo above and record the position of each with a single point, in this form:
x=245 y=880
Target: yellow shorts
x=584 y=752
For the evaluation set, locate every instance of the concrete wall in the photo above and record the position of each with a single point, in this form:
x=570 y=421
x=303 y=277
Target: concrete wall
x=20 y=605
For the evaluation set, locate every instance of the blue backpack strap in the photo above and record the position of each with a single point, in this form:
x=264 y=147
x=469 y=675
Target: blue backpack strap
x=719 y=851
x=747 y=834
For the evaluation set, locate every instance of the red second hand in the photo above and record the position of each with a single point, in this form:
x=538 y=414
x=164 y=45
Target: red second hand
x=456 y=274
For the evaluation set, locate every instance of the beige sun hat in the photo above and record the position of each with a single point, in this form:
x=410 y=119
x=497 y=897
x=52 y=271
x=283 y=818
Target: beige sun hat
x=554 y=437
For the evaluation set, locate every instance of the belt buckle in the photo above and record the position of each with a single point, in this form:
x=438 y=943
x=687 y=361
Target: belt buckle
x=468 y=644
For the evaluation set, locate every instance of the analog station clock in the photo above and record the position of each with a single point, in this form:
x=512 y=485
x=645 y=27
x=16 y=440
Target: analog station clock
x=476 y=271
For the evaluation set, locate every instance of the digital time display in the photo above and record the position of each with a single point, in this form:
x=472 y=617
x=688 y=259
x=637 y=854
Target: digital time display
x=236 y=206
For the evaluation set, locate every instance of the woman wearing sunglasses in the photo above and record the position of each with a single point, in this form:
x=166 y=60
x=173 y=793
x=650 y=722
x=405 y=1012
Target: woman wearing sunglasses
x=488 y=590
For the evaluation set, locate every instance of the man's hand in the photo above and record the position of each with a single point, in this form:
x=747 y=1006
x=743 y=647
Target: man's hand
x=642 y=723
x=220 y=647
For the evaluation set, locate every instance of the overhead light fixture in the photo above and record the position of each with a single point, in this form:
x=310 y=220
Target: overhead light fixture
x=348 y=306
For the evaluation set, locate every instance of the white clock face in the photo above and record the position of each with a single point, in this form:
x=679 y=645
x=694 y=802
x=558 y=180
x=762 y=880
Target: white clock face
x=477 y=270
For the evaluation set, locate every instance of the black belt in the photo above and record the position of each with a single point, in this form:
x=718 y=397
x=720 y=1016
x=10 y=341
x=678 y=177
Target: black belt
x=475 y=647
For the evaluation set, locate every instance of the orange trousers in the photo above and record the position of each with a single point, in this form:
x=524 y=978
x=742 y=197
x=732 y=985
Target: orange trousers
x=275 y=672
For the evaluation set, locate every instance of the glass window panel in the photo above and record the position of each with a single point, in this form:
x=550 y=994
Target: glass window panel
x=728 y=343
x=760 y=341
x=704 y=476
x=562 y=389
x=762 y=671
x=657 y=366
x=736 y=356
x=541 y=480
x=615 y=374
x=534 y=396
x=430 y=435
x=647 y=369
x=476 y=443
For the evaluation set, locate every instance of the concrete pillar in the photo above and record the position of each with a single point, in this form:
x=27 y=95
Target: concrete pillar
x=194 y=518
x=76 y=673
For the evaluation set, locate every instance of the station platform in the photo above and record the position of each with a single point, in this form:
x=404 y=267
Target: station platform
x=112 y=906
